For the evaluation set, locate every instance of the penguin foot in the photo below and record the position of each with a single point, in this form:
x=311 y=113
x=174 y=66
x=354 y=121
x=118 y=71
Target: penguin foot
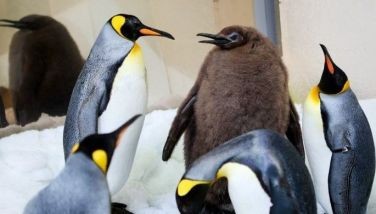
x=119 y=208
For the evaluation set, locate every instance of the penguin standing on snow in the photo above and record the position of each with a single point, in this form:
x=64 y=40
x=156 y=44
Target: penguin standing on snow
x=265 y=175
x=242 y=86
x=110 y=89
x=44 y=63
x=81 y=187
x=339 y=143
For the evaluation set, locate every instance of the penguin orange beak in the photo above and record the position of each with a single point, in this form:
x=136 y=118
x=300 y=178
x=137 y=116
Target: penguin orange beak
x=148 y=31
x=219 y=40
x=14 y=24
x=328 y=60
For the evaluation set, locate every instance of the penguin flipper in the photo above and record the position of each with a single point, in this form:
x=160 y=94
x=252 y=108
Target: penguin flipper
x=180 y=123
x=294 y=132
x=3 y=119
x=25 y=81
x=90 y=111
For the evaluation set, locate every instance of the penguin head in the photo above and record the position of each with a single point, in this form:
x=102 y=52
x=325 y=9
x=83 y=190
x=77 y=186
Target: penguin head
x=333 y=79
x=30 y=22
x=228 y=38
x=234 y=36
x=131 y=28
x=100 y=147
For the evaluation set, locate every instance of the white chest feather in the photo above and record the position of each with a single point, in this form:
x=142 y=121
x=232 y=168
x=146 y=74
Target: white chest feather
x=245 y=190
x=128 y=98
x=318 y=154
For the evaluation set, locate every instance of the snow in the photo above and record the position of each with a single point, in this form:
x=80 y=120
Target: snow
x=29 y=160
x=32 y=158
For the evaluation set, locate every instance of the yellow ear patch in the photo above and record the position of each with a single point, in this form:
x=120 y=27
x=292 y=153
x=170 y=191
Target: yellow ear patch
x=117 y=22
x=345 y=87
x=100 y=158
x=75 y=148
x=186 y=185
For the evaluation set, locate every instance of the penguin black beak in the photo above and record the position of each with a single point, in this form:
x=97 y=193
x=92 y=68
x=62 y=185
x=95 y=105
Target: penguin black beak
x=329 y=64
x=148 y=31
x=13 y=24
x=219 y=40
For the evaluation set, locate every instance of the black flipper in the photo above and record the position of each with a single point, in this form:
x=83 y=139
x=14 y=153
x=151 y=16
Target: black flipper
x=180 y=123
x=294 y=132
x=183 y=117
x=3 y=119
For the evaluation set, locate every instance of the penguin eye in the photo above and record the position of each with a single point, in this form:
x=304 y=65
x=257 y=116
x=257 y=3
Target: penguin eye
x=235 y=36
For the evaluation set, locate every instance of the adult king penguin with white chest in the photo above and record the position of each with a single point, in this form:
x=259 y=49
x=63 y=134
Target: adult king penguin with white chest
x=339 y=143
x=111 y=89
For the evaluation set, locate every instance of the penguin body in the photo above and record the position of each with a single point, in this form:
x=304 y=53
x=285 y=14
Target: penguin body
x=337 y=133
x=110 y=89
x=264 y=172
x=352 y=166
x=44 y=63
x=242 y=86
x=129 y=91
x=81 y=187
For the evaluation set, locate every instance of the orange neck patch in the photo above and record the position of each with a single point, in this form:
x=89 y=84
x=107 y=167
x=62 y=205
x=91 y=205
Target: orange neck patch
x=314 y=95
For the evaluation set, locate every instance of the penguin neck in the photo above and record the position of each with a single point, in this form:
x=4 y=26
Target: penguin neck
x=79 y=163
x=110 y=48
x=133 y=63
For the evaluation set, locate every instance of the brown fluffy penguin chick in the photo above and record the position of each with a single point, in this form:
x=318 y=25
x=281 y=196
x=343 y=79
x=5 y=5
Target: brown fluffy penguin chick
x=242 y=86
x=44 y=63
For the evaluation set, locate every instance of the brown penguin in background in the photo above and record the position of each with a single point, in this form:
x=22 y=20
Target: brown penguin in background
x=242 y=86
x=3 y=119
x=44 y=63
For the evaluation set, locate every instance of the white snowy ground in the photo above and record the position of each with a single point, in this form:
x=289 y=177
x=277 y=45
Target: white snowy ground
x=29 y=160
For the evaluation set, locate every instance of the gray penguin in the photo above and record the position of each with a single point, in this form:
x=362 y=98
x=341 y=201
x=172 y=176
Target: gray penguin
x=44 y=63
x=110 y=89
x=81 y=187
x=265 y=175
x=339 y=143
x=242 y=86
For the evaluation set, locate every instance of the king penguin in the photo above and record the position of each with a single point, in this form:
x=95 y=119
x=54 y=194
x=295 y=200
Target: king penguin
x=338 y=142
x=81 y=187
x=242 y=86
x=265 y=175
x=110 y=89
x=44 y=63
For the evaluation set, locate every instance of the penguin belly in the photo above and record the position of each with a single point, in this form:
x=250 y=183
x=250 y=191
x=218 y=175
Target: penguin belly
x=317 y=151
x=128 y=98
x=245 y=190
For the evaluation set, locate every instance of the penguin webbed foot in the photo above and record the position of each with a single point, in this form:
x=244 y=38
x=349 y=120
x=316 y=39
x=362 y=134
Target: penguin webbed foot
x=119 y=208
